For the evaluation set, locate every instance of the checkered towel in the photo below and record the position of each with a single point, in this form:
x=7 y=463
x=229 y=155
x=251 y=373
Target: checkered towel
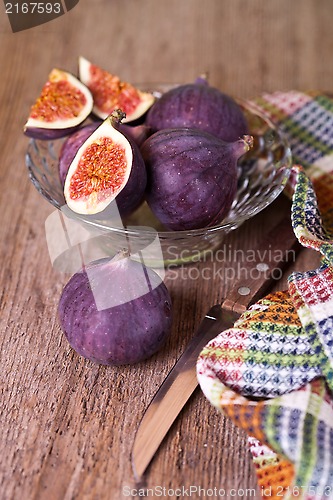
x=272 y=373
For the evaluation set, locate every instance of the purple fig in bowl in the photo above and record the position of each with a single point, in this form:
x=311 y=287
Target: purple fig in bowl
x=116 y=311
x=192 y=176
x=198 y=105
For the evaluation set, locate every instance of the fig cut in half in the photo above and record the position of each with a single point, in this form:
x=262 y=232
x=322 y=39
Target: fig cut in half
x=135 y=134
x=63 y=104
x=110 y=93
x=102 y=168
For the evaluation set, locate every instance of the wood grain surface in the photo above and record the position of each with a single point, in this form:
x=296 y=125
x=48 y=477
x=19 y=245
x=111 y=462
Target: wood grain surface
x=67 y=425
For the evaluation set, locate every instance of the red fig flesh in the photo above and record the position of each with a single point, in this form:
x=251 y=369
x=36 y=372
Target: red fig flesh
x=73 y=143
x=64 y=103
x=71 y=146
x=107 y=166
x=110 y=93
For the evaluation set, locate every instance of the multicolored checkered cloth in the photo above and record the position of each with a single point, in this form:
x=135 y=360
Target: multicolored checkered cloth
x=272 y=373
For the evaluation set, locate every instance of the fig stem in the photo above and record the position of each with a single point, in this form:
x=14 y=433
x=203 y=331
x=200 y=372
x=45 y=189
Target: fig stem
x=248 y=140
x=116 y=116
x=202 y=79
x=124 y=253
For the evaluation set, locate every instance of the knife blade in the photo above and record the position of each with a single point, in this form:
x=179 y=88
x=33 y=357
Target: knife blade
x=176 y=389
x=181 y=381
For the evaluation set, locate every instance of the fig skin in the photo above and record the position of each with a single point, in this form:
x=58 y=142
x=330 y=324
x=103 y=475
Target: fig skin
x=139 y=133
x=200 y=106
x=44 y=134
x=131 y=197
x=192 y=176
x=123 y=334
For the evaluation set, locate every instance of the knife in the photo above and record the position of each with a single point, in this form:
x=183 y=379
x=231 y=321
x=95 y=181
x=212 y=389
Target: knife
x=181 y=381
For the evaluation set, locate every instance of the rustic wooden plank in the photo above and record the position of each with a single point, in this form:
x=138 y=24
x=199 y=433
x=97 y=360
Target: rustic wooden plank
x=68 y=425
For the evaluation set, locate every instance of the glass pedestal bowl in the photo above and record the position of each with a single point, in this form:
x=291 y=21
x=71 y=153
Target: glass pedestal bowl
x=262 y=175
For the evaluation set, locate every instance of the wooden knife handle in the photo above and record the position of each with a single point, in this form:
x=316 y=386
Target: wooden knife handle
x=277 y=248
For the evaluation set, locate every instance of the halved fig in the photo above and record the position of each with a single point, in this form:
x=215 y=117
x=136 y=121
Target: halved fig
x=63 y=104
x=74 y=141
x=110 y=93
x=71 y=146
x=106 y=166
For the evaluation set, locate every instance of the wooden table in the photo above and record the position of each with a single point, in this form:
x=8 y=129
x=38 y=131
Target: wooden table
x=67 y=425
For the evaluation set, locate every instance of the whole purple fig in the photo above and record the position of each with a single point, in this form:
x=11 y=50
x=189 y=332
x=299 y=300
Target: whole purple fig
x=198 y=105
x=116 y=311
x=192 y=176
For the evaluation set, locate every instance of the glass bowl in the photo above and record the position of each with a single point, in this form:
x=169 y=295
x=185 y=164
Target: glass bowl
x=262 y=175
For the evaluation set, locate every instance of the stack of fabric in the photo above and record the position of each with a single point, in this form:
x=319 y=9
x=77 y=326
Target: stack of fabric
x=272 y=373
